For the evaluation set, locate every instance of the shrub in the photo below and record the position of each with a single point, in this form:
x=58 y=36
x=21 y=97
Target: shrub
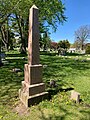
x=88 y=50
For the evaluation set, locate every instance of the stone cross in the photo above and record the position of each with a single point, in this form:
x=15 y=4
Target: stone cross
x=33 y=89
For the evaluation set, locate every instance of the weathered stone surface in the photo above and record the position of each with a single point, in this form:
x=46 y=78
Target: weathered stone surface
x=33 y=74
x=31 y=100
x=33 y=89
x=33 y=40
x=26 y=73
x=35 y=99
x=75 y=96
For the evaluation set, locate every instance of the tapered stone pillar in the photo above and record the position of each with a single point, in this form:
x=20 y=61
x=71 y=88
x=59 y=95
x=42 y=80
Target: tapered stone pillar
x=33 y=89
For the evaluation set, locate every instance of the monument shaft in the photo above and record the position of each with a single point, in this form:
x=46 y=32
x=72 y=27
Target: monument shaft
x=33 y=40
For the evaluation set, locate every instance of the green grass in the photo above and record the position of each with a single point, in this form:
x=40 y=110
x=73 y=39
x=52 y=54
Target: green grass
x=68 y=74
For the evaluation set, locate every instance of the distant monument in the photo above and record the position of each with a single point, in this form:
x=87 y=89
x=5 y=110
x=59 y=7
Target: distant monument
x=33 y=90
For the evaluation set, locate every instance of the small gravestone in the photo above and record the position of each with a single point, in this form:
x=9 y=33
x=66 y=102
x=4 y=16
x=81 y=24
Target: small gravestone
x=44 y=66
x=88 y=58
x=24 y=58
x=16 y=70
x=33 y=89
x=76 y=59
x=84 y=60
x=75 y=96
x=2 y=55
x=53 y=83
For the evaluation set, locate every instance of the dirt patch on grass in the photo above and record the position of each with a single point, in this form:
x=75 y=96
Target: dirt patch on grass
x=21 y=109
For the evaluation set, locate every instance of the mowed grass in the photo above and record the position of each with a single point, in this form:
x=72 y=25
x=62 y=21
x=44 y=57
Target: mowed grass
x=69 y=73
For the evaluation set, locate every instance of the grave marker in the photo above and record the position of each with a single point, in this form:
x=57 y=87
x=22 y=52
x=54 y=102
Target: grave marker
x=75 y=96
x=33 y=89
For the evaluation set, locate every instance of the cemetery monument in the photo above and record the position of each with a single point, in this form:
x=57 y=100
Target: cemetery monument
x=33 y=89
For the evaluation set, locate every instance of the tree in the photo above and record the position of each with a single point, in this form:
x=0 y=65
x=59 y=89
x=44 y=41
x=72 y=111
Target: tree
x=53 y=45
x=6 y=9
x=5 y=34
x=46 y=41
x=0 y=52
x=63 y=46
x=87 y=50
x=50 y=12
x=82 y=35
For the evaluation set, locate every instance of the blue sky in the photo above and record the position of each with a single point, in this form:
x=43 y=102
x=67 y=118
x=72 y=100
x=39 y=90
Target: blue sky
x=78 y=13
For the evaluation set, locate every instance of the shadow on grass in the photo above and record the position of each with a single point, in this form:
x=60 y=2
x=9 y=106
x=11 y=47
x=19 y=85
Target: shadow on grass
x=10 y=82
x=48 y=53
x=57 y=68
x=63 y=114
x=16 y=55
x=54 y=91
x=75 y=54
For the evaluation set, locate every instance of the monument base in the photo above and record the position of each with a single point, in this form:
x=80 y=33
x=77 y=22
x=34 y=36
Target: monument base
x=32 y=100
x=32 y=94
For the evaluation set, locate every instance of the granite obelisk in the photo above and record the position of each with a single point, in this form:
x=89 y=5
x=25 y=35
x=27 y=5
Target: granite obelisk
x=33 y=89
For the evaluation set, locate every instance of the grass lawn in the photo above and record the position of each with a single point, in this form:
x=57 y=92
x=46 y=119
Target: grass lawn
x=68 y=72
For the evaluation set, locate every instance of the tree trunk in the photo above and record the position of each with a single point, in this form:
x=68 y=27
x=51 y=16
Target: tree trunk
x=0 y=50
x=21 y=30
x=5 y=38
x=0 y=55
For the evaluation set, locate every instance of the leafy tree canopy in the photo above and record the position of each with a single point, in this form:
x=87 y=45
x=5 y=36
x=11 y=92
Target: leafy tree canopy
x=64 y=44
x=14 y=13
x=50 y=11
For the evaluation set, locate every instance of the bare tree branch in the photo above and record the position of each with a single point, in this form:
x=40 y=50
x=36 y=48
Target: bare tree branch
x=82 y=35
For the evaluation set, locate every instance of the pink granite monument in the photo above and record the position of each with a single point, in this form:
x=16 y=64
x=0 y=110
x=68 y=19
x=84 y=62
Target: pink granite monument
x=33 y=89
